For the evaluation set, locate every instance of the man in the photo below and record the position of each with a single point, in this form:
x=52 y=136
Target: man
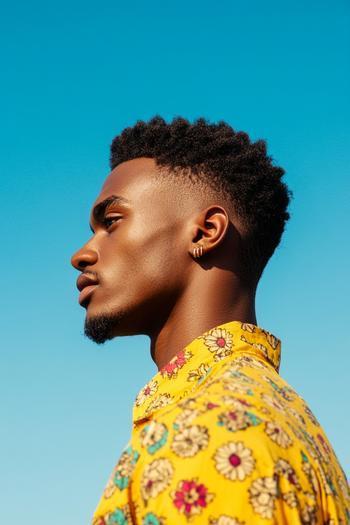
x=182 y=230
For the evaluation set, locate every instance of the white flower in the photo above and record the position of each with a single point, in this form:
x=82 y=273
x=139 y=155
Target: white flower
x=156 y=477
x=277 y=434
x=234 y=461
x=190 y=440
x=146 y=392
x=262 y=495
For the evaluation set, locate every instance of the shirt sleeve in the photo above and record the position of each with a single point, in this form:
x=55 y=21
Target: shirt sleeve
x=221 y=468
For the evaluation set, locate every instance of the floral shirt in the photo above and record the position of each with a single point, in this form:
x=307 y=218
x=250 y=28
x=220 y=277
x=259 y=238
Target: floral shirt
x=219 y=438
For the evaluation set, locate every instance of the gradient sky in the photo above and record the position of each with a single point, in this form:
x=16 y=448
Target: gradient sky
x=74 y=74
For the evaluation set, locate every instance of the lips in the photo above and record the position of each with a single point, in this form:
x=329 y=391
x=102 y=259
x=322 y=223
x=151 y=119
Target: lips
x=86 y=285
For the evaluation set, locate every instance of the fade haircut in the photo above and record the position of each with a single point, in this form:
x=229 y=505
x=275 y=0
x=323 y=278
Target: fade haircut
x=224 y=161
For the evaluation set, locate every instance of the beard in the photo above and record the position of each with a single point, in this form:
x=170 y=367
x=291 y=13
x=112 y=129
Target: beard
x=101 y=328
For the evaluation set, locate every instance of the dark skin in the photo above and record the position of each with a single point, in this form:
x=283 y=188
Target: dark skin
x=142 y=256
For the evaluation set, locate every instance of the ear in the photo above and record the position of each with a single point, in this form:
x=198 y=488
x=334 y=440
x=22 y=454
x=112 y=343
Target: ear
x=210 y=228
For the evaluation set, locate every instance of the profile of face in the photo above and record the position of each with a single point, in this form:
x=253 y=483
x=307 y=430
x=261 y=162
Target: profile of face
x=137 y=259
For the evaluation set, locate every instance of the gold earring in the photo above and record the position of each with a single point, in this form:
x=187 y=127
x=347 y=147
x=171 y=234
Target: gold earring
x=198 y=251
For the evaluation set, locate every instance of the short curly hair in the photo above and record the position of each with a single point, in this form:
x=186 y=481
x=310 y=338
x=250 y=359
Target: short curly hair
x=228 y=162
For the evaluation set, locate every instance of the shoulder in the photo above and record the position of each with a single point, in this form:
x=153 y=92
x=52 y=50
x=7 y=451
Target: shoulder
x=218 y=458
x=244 y=442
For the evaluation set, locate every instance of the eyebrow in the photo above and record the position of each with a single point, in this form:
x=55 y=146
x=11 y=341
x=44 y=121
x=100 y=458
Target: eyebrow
x=100 y=208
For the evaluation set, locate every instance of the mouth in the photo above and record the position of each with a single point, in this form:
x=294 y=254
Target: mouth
x=85 y=295
x=86 y=285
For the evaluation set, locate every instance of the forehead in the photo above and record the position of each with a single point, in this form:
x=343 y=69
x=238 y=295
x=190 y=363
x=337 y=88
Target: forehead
x=133 y=180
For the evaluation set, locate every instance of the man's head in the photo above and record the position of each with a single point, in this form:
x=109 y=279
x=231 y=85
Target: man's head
x=181 y=185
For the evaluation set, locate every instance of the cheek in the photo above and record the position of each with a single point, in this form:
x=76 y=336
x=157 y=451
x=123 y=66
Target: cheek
x=161 y=269
x=121 y=264
x=142 y=261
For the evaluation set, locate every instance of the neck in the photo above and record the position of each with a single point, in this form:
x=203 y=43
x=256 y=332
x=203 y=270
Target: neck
x=200 y=308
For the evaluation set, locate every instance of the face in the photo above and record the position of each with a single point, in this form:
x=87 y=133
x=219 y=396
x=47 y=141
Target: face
x=137 y=257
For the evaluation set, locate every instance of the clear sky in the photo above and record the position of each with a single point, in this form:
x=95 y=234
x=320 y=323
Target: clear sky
x=74 y=74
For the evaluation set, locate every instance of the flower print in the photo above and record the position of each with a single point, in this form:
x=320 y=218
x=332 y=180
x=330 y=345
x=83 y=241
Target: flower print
x=158 y=402
x=286 y=478
x=235 y=402
x=225 y=520
x=188 y=403
x=311 y=475
x=265 y=411
x=219 y=342
x=277 y=434
x=296 y=431
x=326 y=482
x=237 y=388
x=152 y=519
x=261 y=347
x=262 y=496
x=286 y=392
x=250 y=362
x=120 y=516
x=147 y=391
x=183 y=394
x=235 y=420
x=271 y=339
x=153 y=436
x=198 y=374
x=308 y=515
x=190 y=440
x=309 y=442
x=248 y=327
x=234 y=461
x=156 y=477
x=211 y=406
x=184 y=418
x=291 y=499
x=273 y=402
x=325 y=448
x=296 y=415
x=111 y=487
x=311 y=416
x=233 y=373
x=284 y=468
x=191 y=497
x=122 y=471
x=258 y=346
x=344 y=489
x=178 y=361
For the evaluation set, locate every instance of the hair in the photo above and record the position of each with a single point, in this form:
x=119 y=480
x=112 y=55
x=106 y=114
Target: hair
x=227 y=162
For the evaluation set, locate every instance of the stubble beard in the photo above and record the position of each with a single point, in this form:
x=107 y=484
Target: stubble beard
x=101 y=328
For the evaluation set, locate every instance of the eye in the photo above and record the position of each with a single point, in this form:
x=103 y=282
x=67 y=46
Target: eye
x=109 y=221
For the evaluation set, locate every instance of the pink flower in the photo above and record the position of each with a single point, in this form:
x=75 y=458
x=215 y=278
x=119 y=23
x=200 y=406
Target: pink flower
x=211 y=405
x=172 y=367
x=190 y=497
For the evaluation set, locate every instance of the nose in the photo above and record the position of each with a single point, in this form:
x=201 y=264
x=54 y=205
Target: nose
x=83 y=258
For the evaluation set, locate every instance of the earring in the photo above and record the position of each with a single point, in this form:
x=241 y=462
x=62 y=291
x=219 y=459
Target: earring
x=198 y=251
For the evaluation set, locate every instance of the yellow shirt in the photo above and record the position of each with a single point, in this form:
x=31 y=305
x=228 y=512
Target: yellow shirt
x=220 y=439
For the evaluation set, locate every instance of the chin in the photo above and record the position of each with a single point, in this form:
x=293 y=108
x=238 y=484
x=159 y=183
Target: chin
x=102 y=326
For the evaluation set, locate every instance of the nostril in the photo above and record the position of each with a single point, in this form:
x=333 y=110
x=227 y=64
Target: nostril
x=82 y=265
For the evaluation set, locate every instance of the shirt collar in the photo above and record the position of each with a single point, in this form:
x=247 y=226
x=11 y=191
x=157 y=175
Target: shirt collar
x=187 y=369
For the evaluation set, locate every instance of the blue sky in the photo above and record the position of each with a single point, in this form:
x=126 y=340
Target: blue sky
x=74 y=74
